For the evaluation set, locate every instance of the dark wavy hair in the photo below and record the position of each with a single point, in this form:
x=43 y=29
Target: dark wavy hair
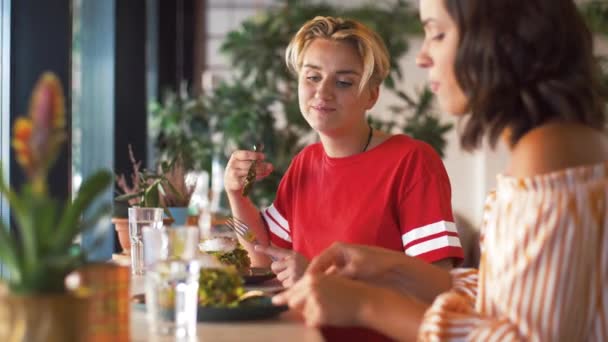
x=523 y=63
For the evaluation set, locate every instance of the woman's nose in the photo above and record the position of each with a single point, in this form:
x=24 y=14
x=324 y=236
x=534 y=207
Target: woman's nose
x=423 y=60
x=324 y=90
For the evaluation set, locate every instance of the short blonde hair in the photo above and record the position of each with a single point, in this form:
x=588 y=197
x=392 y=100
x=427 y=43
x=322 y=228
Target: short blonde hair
x=368 y=43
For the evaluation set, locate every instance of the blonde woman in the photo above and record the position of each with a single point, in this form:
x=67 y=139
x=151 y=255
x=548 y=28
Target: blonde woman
x=357 y=185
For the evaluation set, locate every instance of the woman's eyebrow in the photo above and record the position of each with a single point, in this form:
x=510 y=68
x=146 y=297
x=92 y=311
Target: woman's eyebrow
x=341 y=72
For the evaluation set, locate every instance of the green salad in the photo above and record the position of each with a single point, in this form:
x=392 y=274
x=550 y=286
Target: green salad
x=238 y=258
x=219 y=287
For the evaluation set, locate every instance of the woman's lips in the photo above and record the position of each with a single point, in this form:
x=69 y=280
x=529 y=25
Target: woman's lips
x=323 y=109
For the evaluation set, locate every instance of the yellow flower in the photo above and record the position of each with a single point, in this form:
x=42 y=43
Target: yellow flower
x=21 y=143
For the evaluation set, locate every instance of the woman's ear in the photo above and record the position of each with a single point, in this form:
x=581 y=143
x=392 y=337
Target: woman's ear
x=374 y=92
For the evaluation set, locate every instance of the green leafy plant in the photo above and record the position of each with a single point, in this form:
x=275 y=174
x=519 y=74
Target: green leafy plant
x=596 y=15
x=181 y=190
x=41 y=253
x=180 y=127
x=148 y=188
x=424 y=123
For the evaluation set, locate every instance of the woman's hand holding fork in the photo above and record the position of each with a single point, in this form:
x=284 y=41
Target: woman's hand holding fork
x=238 y=168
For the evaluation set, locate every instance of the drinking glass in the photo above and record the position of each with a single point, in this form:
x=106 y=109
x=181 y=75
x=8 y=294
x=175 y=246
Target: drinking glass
x=139 y=218
x=180 y=242
x=155 y=249
x=172 y=297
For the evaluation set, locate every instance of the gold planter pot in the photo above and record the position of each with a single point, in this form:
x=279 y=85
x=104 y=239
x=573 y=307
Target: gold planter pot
x=48 y=318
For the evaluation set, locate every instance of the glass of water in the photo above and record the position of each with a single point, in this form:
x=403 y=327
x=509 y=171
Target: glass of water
x=138 y=219
x=172 y=297
x=181 y=242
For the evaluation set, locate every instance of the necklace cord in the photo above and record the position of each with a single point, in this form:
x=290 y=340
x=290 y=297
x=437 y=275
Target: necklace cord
x=369 y=138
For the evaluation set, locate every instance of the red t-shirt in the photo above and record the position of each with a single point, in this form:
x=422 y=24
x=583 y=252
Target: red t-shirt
x=396 y=195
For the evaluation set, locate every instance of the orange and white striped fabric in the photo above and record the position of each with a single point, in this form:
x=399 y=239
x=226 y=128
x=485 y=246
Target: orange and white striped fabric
x=544 y=268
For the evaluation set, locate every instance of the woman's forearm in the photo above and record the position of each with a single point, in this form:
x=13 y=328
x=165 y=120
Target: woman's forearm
x=243 y=209
x=415 y=277
x=392 y=314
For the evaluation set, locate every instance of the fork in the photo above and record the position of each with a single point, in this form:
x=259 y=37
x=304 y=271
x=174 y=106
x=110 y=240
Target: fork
x=242 y=229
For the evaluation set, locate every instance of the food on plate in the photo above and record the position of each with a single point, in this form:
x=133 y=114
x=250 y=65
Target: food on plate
x=228 y=251
x=220 y=287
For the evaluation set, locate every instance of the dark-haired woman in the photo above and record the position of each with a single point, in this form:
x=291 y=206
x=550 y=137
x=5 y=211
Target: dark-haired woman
x=522 y=71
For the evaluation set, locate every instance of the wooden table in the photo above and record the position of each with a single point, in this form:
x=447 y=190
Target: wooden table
x=288 y=326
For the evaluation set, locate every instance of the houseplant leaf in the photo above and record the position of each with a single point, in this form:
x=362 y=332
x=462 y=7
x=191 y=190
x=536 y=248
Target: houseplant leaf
x=89 y=190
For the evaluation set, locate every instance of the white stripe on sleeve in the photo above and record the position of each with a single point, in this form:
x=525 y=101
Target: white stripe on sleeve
x=275 y=228
x=428 y=230
x=433 y=244
x=274 y=213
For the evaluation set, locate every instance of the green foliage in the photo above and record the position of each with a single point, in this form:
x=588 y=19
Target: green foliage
x=245 y=118
x=40 y=255
x=39 y=252
x=148 y=187
x=423 y=124
x=180 y=126
x=596 y=15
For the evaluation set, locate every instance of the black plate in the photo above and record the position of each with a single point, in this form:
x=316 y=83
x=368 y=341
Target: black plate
x=251 y=309
x=257 y=275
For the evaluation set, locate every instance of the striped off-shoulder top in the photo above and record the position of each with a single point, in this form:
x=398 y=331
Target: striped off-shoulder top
x=543 y=273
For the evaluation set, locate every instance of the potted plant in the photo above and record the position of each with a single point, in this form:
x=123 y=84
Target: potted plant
x=177 y=199
x=148 y=188
x=181 y=127
x=41 y=252
x=120 y=219
x=120 y=212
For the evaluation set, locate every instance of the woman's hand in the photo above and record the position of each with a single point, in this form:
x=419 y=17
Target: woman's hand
x=326 y=299
x=238 y=167
x=288 y=265
x=385 y=268
x=356 y=261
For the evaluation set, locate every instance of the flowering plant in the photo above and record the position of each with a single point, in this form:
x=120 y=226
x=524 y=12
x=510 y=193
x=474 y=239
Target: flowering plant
x=41 y=253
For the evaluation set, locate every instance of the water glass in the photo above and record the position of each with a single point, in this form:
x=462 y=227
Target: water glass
x=172 y=297
x=139 y=218
x=155 y=249
x=180 y=242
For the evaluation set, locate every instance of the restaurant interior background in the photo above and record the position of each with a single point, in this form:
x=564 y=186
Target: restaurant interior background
x=116 y=57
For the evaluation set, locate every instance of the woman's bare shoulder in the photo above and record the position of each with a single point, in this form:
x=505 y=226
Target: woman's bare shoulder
x=557 y=146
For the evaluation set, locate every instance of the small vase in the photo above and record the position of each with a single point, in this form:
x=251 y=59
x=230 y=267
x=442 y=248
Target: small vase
x=107 y=285
x=122 y=229
x=39 y=317
x=180 y=214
